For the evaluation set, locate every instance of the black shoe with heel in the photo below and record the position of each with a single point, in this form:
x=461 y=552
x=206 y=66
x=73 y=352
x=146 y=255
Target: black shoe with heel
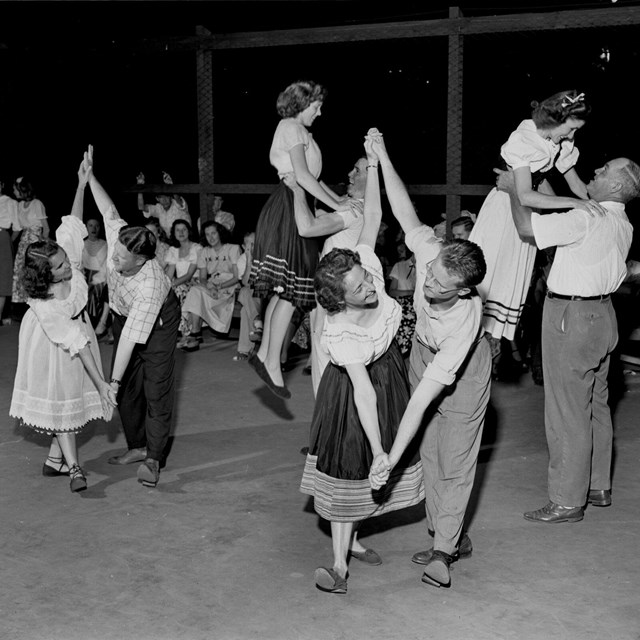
x=78 y=481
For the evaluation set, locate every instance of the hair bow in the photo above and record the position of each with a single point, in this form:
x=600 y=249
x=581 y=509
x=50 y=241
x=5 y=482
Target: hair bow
x=568 y=100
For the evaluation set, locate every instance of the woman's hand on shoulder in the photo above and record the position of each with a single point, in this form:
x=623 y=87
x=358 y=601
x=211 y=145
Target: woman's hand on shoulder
x=593 y=208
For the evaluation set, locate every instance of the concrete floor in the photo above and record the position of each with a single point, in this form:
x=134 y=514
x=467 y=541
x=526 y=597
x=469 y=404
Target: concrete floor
x=225 y=547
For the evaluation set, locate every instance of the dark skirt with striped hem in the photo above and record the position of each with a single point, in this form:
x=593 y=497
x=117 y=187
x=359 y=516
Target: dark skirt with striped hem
x=284 y=263
x=337 y=466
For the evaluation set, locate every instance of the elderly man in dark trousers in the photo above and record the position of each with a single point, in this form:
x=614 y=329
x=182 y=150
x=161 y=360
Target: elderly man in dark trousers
x=579 y=332
x=146 y=315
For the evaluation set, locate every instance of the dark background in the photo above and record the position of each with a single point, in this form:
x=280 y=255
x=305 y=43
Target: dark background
x=74 y=73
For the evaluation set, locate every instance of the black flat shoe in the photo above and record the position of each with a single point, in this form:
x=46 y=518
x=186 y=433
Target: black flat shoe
x=54 y=469
x=258 y=365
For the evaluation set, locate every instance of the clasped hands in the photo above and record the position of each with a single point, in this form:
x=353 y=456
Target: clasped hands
x=380 y=471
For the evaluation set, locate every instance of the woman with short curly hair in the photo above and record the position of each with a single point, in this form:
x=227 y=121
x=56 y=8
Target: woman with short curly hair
x=361 y=398
x=284 y=262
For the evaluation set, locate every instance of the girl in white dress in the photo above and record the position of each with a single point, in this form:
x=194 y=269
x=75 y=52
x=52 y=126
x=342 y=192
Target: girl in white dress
x=535 y=147
x=361 y=398
x=59 y=384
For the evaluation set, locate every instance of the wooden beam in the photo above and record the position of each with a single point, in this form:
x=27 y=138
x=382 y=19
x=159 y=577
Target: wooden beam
x=549 y=21
x=454 y=121
x=266 y=189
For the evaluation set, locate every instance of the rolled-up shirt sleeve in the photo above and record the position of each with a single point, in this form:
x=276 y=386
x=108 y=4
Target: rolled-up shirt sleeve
x=559 y=229
x=452 y=352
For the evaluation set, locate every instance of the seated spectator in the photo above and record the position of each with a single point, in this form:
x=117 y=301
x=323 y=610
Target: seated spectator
x=402 y=286
x=168 y=208
x=153 y=224
x=94 y=265
x=250 y=313
x=461 y=227
x=213 y=299
x=181 y=265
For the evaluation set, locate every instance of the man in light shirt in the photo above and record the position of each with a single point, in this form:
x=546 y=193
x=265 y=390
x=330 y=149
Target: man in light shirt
x=146 y=315
x=450 y=377
x=579 y=333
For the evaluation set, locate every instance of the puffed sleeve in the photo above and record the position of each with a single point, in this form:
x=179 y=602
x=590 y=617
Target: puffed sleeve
x=171 y=256
x=202 y=258
x=58 y=326
x=293 y=134
x=234 y=253
x=524 y=149
x=70 y=236
x=38 y=211
x=568 y=157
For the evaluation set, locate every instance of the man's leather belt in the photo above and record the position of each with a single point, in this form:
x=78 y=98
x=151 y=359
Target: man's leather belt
x=551 y=294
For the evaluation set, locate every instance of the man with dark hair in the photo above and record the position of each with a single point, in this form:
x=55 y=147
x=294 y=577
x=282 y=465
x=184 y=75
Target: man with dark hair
x=450 y=376
x=579 y=333
x=146 y=315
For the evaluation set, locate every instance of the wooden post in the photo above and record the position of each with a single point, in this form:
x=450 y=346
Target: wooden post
x=204 y=64
x=454 y=123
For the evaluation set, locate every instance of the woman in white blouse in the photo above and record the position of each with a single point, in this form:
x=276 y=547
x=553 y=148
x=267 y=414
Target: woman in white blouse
x=213 y=299
x=181 y=265
x=361 y=398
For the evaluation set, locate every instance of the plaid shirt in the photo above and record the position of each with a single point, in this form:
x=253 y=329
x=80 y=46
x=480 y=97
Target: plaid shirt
x=139 y=297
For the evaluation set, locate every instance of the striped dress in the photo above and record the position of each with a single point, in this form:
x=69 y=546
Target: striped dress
x=284 y=262
x=337 y=465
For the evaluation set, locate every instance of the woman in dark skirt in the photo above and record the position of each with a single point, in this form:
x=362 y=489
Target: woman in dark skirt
x=284 y=263
x=361 y=398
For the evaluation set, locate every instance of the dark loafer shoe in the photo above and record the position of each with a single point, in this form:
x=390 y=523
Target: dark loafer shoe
x=330 y=581
x=129 y=457
x=436 y=571
x=599 y=497
x=368 y=556
x=553 y=513
x=149 y=472
x=465 y=549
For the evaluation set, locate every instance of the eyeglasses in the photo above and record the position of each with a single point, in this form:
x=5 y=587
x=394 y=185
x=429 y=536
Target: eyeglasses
x=434 y=283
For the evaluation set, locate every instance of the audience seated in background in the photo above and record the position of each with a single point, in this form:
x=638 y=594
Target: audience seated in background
x=168 y=207
x=402 y=284
x=250 y=312
x=213 y=298
x=9 y=230
x=32 y=219
x=181 y=265
x=153 y=224
x=461 y=227
x=94 y=265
